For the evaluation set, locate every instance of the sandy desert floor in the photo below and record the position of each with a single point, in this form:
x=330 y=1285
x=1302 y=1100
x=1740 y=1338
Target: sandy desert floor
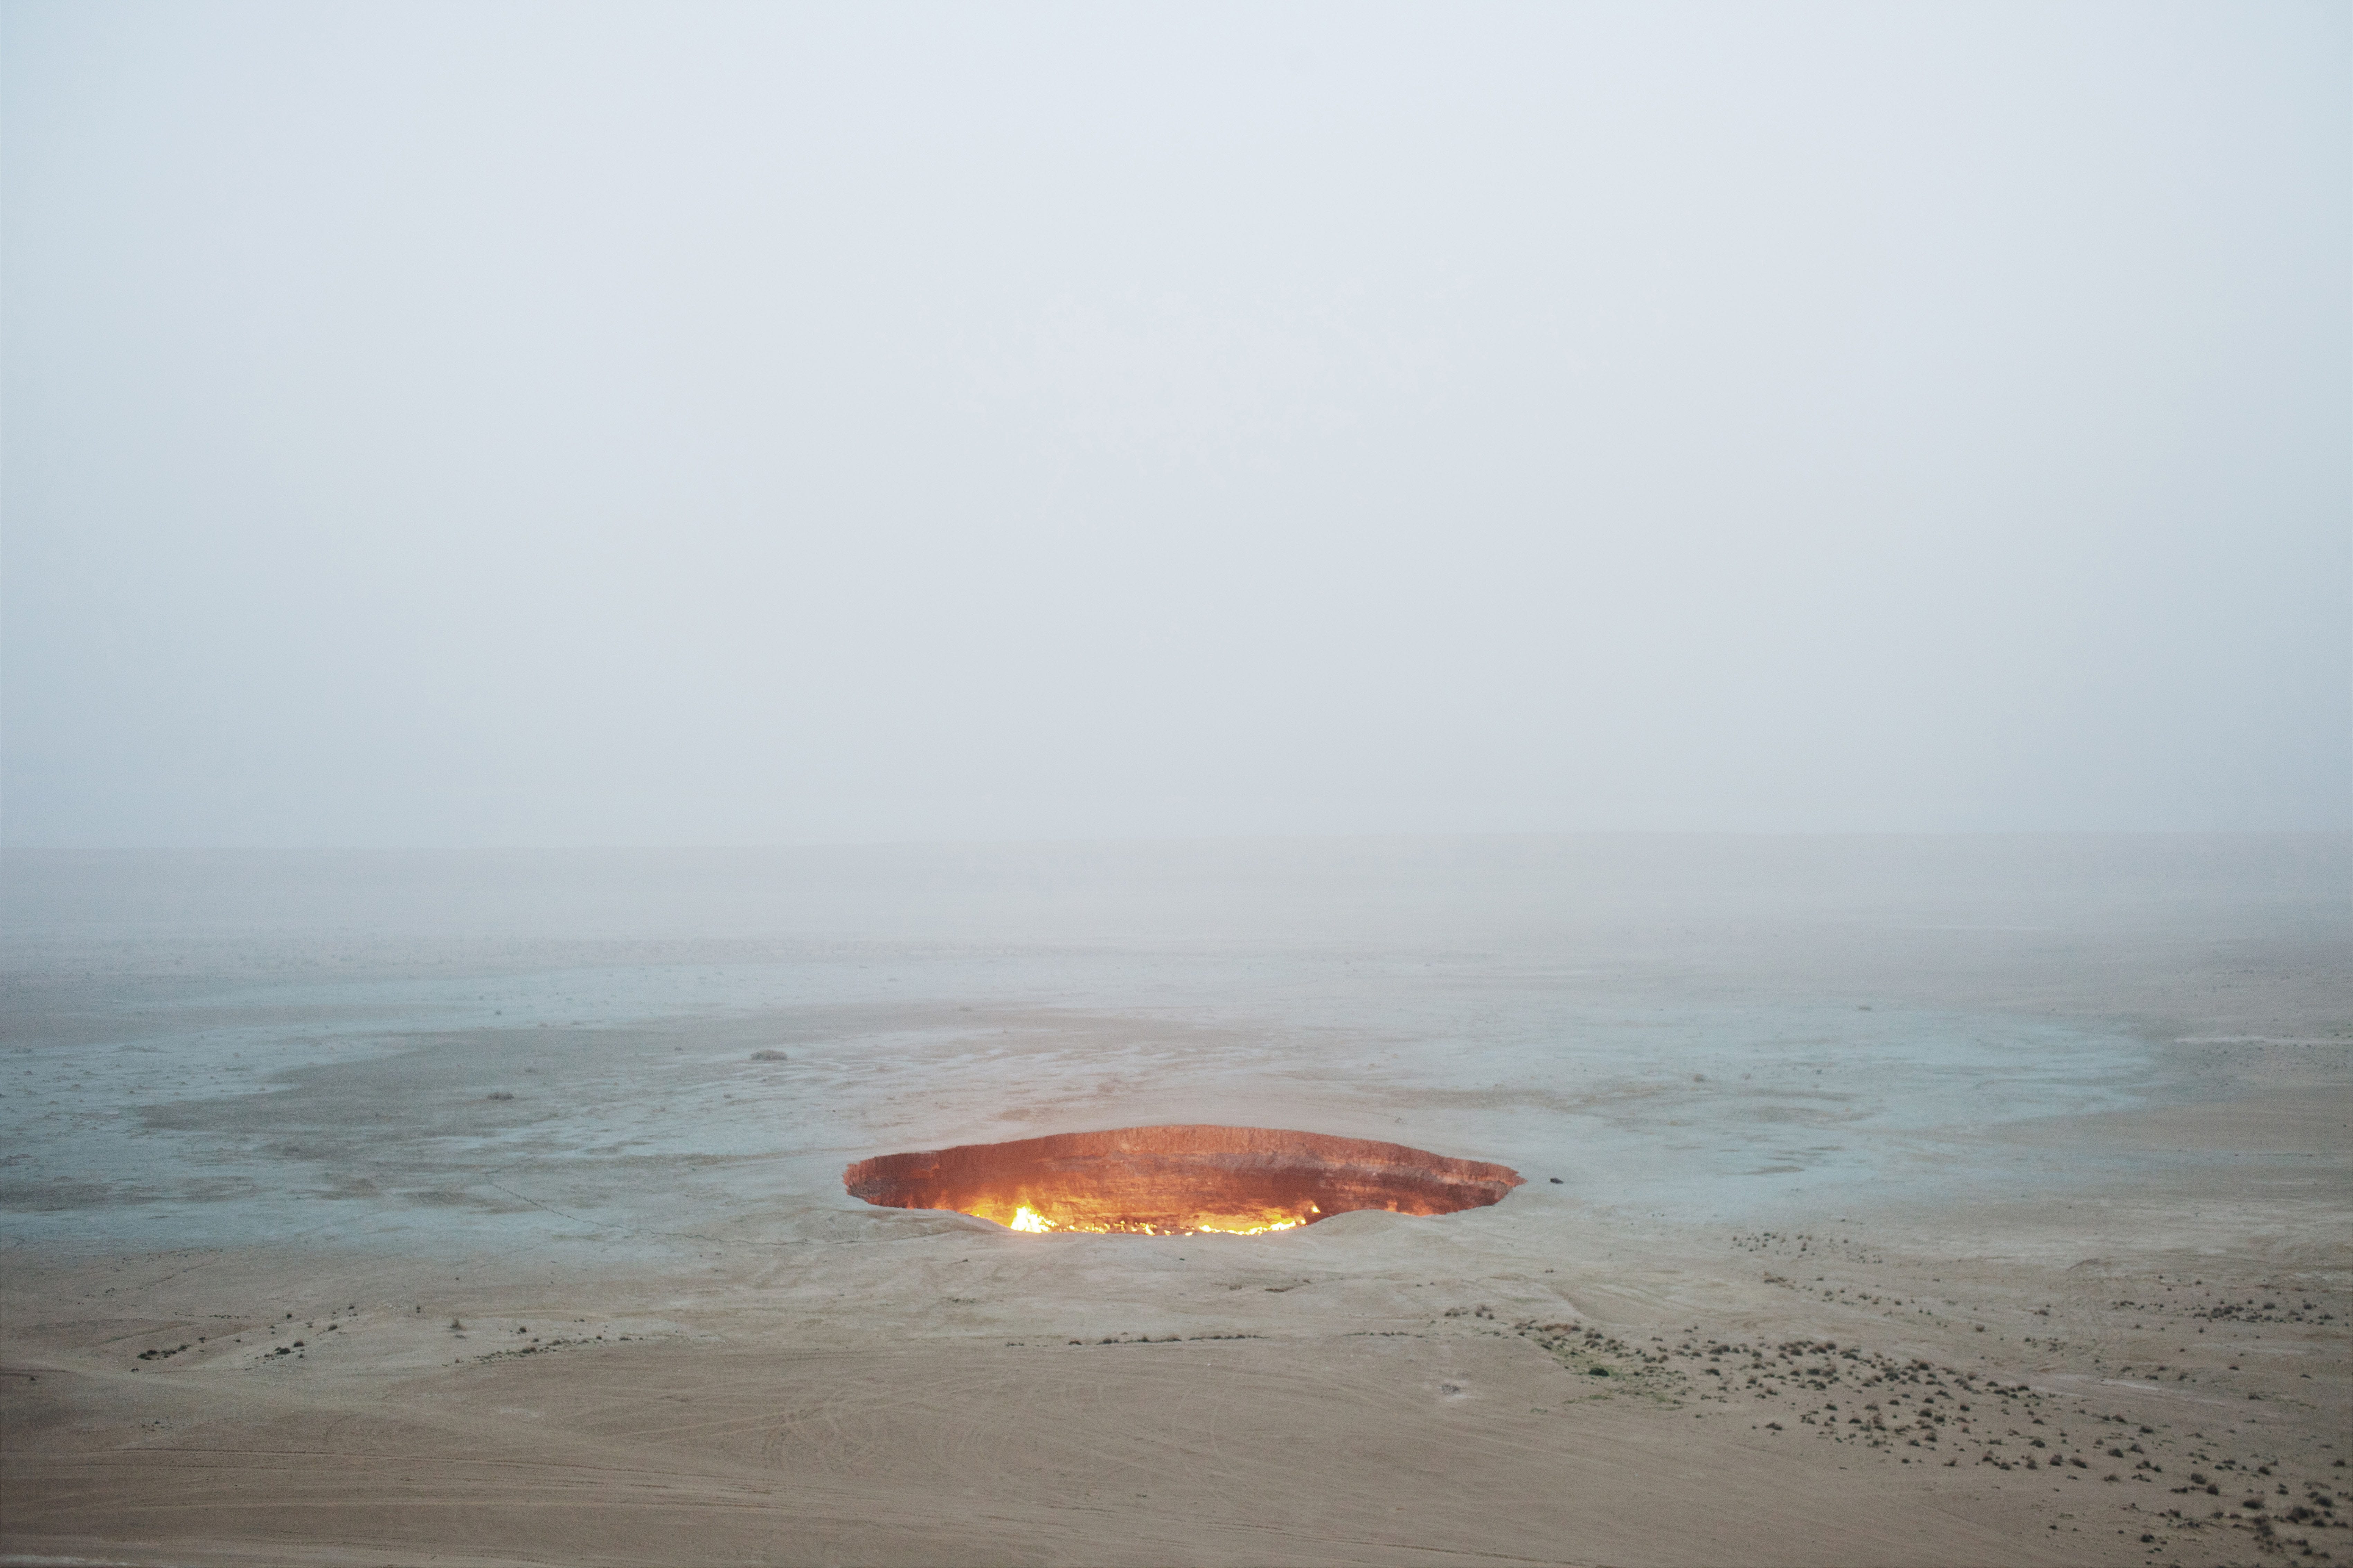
x=1916 y=1203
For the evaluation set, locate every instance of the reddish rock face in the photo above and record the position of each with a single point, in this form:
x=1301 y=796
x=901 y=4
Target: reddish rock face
x=1174 y=1180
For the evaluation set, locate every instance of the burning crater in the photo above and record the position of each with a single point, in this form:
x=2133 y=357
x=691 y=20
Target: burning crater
x=1176 y=1181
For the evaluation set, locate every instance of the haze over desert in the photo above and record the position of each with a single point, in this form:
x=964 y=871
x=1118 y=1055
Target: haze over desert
x=1917 y=1201
x=1197 y=782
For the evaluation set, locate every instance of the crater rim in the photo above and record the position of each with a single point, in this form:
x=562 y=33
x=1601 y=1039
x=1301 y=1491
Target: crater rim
x=1173 y=1179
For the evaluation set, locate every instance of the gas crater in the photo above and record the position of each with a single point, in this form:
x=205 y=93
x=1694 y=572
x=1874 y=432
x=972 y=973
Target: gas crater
x=1177 y=1180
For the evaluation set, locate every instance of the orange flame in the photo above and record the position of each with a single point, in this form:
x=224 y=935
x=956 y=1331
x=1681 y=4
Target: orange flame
x=1176 y=1181
x=1030 y=1221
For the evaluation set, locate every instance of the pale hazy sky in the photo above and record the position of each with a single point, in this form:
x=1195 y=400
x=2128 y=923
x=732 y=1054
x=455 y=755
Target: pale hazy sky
x=574 y=423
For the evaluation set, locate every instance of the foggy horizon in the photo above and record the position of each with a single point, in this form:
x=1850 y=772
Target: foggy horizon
x=1290 y=783
x=587 y=426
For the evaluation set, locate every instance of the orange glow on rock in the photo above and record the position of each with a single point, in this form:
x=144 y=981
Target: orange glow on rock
x=1177 y=1180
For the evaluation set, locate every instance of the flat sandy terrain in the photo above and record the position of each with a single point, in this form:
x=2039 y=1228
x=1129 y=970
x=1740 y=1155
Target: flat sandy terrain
x=1918 y=1202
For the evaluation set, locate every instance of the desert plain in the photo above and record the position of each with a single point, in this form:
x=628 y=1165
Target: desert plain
x=1888 y=1201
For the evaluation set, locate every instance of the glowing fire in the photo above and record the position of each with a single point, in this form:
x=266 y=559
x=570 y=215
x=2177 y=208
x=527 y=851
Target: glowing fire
x=1029 y=1220
x=1176 y=1181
